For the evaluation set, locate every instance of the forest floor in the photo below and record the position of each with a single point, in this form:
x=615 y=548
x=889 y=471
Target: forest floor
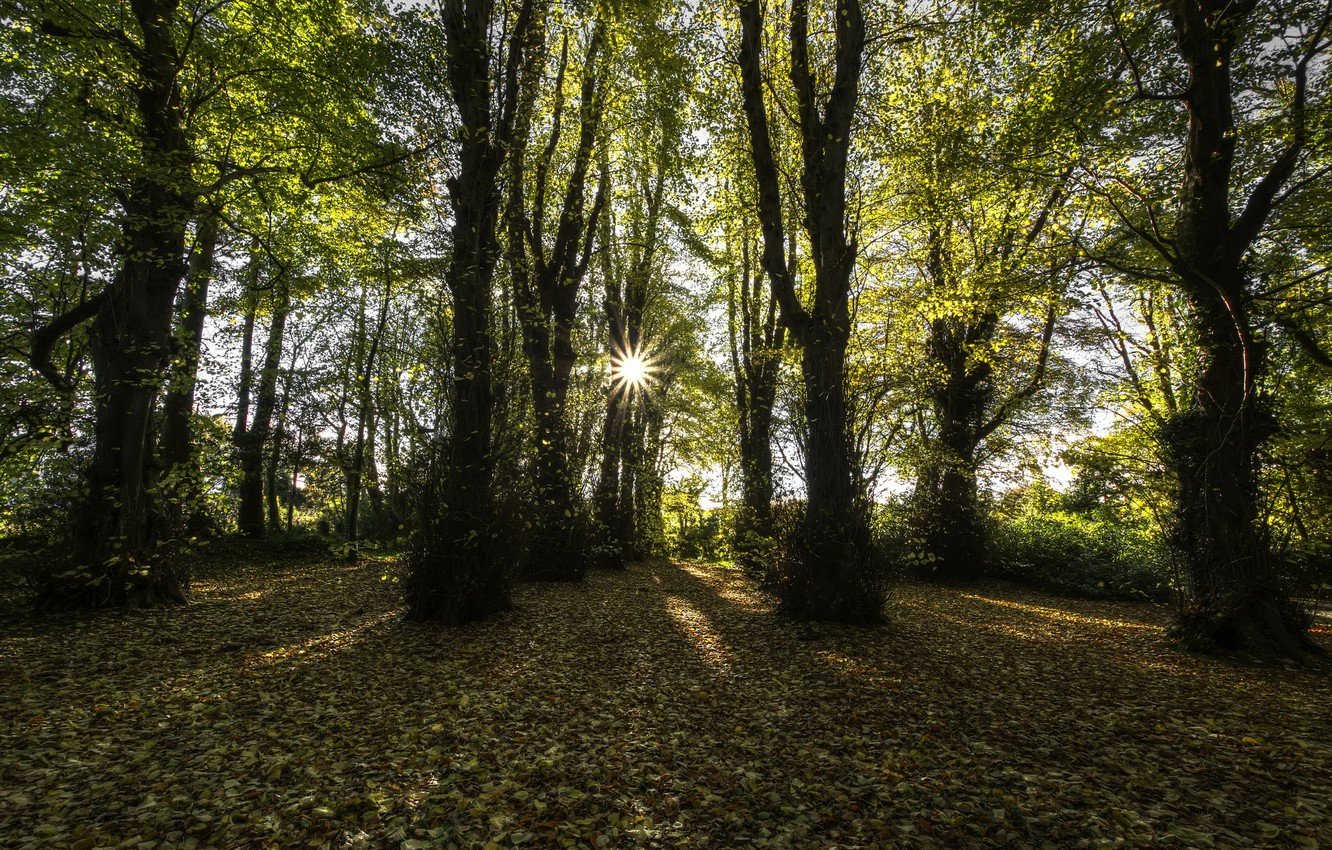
x=291 y=706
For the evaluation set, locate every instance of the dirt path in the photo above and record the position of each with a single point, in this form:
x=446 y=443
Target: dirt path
x=290 y=706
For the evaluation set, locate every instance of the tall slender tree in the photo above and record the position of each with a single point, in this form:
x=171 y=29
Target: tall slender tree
x=756 y=342
x=550 y=247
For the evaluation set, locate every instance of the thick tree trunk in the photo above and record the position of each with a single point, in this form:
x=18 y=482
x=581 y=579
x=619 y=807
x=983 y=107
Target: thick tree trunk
x=947 y=508
x=130 y=344
x=756 y=468
x=1235 y=598
x=458 y=570
x=831 y=576
x=832 y=579
x=178 y=404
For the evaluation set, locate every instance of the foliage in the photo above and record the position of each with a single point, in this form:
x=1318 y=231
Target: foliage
x=1071 y=554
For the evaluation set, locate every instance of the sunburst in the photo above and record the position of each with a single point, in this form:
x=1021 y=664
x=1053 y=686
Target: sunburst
x=631 y=370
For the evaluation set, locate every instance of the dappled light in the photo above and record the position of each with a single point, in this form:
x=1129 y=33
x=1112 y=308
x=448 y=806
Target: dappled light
x=730 y=585
x=1065 y=616
x=317 y=648
x=660 y=706
x=475 y=425
x=695 y=625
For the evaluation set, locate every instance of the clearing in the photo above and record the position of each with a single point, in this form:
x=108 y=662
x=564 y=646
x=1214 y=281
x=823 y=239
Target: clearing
x=665 y=706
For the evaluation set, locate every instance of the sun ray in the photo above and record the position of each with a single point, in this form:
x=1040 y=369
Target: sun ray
x=631 y=370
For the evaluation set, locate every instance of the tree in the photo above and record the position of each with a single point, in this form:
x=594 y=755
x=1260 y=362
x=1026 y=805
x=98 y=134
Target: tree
x=641 y=171
x=984 y=175
x=1242 y=73
x=550 y=246
x=455 y=572
x=171 y=89
x=181 y=477
x=756 y=342
x=832 y=577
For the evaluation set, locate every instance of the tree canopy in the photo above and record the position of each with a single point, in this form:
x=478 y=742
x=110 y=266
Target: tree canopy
x=841 y=291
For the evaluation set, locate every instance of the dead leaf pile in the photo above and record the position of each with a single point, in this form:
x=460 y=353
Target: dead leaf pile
x=665 y=706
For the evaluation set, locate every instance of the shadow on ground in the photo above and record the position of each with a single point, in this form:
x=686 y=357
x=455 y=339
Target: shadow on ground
x=664 y=706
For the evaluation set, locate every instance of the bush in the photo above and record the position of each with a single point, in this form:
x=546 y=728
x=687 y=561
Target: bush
x=1067 y=553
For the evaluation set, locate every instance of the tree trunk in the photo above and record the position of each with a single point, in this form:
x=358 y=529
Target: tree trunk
x=831 y=578
x=130 y=344
x=182 y=478
x=458 y=571
x=245 y=383
x=271 y=475
x=649 y=484
x=947 y=506
x=1235 y=597
x=250 y=515
x=548 y=273
x=608 y=482
x=756 y=343
x=365 y=415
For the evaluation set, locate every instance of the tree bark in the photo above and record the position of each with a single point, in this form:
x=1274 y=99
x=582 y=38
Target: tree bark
x=756 y=343
x=130 y=344
x=1235 y=597
x=245 y=382
x=365 y=415
x=832 y=578
x=458 y=571
x=182 y=478
x=250 y=514
x=547 y=278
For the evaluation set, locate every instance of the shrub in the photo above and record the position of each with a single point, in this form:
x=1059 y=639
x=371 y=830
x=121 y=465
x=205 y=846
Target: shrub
x=1067 y=553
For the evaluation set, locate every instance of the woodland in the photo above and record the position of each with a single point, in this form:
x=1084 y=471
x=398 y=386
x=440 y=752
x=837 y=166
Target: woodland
x=629 y=423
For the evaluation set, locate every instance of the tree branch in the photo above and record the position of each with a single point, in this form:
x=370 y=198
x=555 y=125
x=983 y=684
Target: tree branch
x=45 y=338
x=1306 y=341
x=1037 y=378
x=1262 y=200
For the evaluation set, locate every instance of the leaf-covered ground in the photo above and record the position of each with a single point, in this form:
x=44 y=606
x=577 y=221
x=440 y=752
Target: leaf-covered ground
x=291 y=706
